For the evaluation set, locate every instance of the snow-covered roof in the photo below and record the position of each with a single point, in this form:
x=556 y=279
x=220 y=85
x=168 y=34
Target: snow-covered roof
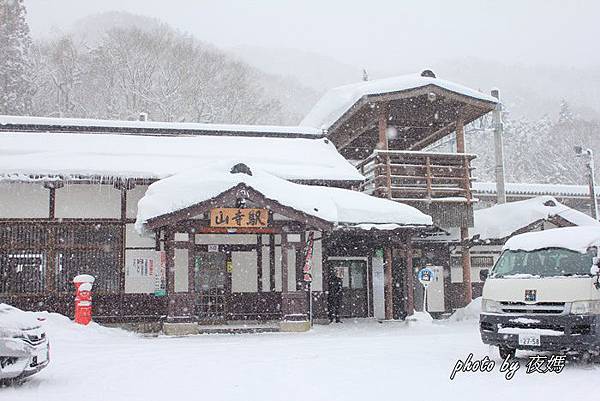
x=500 y=221
x=338 y=100
x=138 y=156
x=578 y=239
x=534 y=189
x=181 y=128
x=335 y=205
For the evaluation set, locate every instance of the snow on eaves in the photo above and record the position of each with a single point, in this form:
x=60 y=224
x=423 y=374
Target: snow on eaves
x=534 y=189
x=338 y=100
x=336 y=205
x=500 y=221
x=137 y=156
x=577 y=239
x=159 y=125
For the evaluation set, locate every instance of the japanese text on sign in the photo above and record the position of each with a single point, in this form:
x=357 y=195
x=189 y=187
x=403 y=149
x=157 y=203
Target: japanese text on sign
x=233 y=217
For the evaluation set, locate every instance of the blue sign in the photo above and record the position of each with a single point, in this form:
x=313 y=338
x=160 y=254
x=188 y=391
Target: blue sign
x=425 y=276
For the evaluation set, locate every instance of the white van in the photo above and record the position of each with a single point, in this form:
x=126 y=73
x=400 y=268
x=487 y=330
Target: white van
x=543 y=293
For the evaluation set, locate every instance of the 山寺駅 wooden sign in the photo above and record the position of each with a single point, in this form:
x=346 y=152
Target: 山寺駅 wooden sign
x=237 y=217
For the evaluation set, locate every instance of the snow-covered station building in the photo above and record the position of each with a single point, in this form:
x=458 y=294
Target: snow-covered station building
x=185 y=223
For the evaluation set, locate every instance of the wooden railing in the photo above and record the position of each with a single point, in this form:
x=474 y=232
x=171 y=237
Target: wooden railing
x=418 y=176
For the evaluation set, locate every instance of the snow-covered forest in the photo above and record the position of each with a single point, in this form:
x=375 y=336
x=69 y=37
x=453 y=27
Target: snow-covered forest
x=115 y=66
x=536 y=151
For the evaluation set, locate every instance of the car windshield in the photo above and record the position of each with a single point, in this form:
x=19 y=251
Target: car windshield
x=546 y=262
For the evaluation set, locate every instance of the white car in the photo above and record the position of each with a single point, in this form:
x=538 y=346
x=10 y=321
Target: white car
x=24 y=348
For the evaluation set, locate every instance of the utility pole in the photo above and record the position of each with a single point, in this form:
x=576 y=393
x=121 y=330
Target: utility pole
x=499 y=149
x=589 y=163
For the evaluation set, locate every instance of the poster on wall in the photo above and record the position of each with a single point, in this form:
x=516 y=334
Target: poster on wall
x=145 y=272
x=142 y=267
x=160 y=288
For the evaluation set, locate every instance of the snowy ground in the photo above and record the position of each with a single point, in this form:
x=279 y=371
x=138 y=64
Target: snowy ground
x=356 y=360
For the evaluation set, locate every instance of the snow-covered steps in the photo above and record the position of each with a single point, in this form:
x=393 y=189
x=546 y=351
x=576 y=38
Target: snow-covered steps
x=238 y=328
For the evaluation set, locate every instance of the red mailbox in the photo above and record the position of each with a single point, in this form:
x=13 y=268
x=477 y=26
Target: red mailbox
x=83 y=298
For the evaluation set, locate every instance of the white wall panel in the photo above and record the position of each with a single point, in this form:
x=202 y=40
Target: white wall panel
x=134 y=240
x=88 y=201
x=291 y=269
x=244 y=274
x=133 y=197
x=237 y=239
x=378 y=280
x=22 y=200
x=181 y=270
x=266 y=269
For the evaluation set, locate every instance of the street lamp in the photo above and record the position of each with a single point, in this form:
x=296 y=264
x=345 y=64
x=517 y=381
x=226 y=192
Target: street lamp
x=589 y=163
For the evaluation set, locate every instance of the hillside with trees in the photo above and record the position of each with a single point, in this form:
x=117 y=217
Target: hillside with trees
x=535 y=151
x=117 y=65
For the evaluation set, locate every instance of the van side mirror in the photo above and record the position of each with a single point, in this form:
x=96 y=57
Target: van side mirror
x=483 y=274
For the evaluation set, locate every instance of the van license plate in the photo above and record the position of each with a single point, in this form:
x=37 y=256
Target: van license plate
x=532 y=340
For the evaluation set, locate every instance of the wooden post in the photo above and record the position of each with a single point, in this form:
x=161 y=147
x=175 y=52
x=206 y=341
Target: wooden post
x=467 y=179
x=272 y=263
x=382 y=126
x=466 y=262
x=51 y=267
x=410 y=287
x=284 y=263
x=389 y=291
x=123 y=239
x=294 y=304
x=384 y=145
x=429 y=177
x=460 y=136
x=464 y=231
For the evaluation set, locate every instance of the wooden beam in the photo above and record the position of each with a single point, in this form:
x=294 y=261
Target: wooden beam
x=259 y=264
x=460 y=136
x=382 y=125
x=428 y=176
x=354 y=134
x=433 y=137
x=389 y=291
x=284 y=263
x=52 y=204
x=272 y=263
x=410 y=287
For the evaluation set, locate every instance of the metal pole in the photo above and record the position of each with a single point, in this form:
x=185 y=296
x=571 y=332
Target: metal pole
x=592 y=183
x=498 y=149
x=424 y=298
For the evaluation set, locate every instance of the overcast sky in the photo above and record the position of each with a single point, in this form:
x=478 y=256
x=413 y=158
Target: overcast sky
x=371 y=32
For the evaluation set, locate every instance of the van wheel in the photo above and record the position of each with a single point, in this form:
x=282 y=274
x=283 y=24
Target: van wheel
x=506 y=352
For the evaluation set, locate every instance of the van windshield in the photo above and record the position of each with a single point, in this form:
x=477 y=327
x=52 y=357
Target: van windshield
x=546 y=262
